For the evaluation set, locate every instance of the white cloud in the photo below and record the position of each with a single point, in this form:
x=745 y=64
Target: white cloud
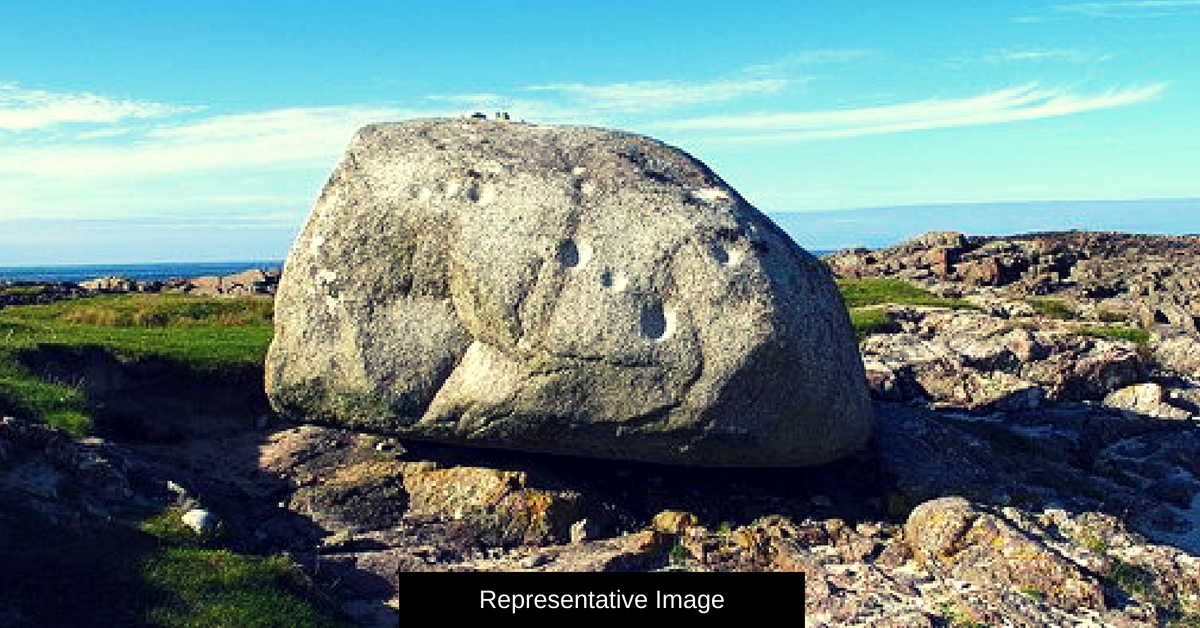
x=807 y=58
x=225 y=142
x=1027 y=102
x=1133 y=8
x=1071 y=56
x=469 y=99
x=642 y=96
x=27 y=109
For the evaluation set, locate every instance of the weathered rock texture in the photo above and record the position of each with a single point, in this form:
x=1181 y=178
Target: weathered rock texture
x=976 y=360
x=1153 y=280
x=565 y=290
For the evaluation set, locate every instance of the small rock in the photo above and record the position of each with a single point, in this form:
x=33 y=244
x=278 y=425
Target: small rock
x=390 y=447
x=1147 y=399
x=583 y=530
x=200 y=520
x=534 y=561
x=674 y=521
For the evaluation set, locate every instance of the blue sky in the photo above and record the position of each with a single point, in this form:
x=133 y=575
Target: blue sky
x=152 y=131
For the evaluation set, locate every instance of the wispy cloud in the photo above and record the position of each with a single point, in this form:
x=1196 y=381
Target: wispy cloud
x=642 y=96
x=1070 y=56
x=1027 y=102
x=27 y=109
x=1133 y=8
x=612 y=103
x=806 y=59
x=223 y=142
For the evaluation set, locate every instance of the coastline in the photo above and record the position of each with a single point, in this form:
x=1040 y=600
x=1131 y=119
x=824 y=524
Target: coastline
x=150 y=271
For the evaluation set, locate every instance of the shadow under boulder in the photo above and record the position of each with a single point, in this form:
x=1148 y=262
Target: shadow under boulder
x=153 y=399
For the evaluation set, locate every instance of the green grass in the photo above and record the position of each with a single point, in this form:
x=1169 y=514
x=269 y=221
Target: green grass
x=24 y=393
x=1112 y=316
x=124 y=576
x=861 y=295
x=206 y=334
x=1126 y=334
x=133 y=310
x=872 y=321
x=1053 y=308
x=953 y=617
x=1032 y=593
x=218 y=588
x=160 y=573
x=864 y=292
x=24 y=290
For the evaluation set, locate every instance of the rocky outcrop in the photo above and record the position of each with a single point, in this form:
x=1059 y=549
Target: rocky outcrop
x=972 y=359
x=562 y=290
x=29 y=293
x=1153 y=280
x=68 y=483
x=1023 y=471
x=1073 y=513
x=249 y=282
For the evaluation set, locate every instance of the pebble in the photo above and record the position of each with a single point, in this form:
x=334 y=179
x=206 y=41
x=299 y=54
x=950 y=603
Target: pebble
x=200 y=520
x=534 y=561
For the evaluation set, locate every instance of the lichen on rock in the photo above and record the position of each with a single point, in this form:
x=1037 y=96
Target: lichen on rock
x=563 y=290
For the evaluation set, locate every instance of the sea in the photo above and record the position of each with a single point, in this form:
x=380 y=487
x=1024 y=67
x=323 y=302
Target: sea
x=75 y=273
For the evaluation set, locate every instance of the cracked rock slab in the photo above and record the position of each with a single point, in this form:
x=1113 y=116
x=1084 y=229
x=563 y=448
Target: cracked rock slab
x=562 y=290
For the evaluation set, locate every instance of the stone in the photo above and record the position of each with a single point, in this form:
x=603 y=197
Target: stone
x=110 y=284
x=1180 y=354
x=562 y=290
x=957 y=537
x=674 y=521
x=1148 y=400
x=200 y=521
x=584 y=530
x=206 y=286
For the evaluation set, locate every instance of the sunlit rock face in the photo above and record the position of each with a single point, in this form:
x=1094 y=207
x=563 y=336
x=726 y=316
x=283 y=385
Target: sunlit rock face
x=564 y=290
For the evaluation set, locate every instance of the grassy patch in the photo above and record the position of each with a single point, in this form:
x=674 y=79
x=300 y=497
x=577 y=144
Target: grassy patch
x=957 y=618
x=872 y=321
x=1126 y=334
x=168 y=527
x=203 y=333
x=1033 y=593
x=122 y=576
x=198 y=331
x=210 y=588
x=25 y=394
x=1112 y=316
x=1053 y=308
x=24 y=290
x=862 y=295
x=141 y=310
x=1134 y=580
x=864 y=292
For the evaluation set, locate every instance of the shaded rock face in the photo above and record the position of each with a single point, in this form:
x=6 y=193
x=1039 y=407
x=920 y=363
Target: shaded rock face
x=563 y=290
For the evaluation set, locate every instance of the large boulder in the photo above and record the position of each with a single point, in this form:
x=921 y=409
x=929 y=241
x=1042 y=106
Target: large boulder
x=563 y=290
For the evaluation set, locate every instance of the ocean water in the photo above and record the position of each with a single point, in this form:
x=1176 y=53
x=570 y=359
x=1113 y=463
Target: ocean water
x=76 y=273
x=141 y=272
